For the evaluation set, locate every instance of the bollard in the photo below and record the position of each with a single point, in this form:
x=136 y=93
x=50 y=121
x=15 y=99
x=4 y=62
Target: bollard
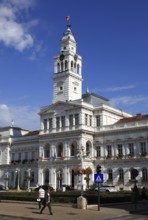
x=81 y=202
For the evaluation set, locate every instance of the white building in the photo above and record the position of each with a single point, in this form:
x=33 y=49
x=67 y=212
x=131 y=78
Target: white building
x=78 y=133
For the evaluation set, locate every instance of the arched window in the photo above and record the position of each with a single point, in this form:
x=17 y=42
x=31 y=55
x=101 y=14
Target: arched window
x=132 y=174
x=74 y=67
x=121 y=175
x=78 y=68
x=144 y=175
x=46 y=176
x=72 y=150
x=58 y=68
x=47 y=151
x=71 y=65
x=60 y=150
x=87 y=149
x=62 y=66
x=110 y=174
x=66 y=65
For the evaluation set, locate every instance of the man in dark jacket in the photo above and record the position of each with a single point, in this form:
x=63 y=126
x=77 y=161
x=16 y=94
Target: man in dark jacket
x=47 y=201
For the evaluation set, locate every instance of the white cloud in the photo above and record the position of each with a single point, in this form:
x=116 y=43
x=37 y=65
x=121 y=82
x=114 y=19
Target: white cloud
x=23 y=116
x=114 y=88
x=120 y=88
x=129 y=100
x=5 y=115
x=21 y=4
x=12 y=33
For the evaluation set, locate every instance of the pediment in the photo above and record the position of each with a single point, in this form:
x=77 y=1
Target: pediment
x=57 y=108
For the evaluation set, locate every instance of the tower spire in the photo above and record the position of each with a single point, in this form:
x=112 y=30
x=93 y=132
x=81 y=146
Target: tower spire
x=67 y=70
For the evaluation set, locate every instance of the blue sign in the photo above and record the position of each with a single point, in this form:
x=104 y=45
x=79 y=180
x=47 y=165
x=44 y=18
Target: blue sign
x=98 y=178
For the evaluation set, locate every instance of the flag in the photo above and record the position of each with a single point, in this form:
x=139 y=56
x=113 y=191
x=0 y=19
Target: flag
x=54 y=156
x=67 y=18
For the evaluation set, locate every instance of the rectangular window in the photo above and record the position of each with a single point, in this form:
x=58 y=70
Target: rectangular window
x=45 y=124
x=63 y=121
x=70 y=120
x=121 y=175
x=47 y=152
x=12 y=176
x=76 y=119
x=57 y=122
x=98 y=121
x=86 y=119
x=143 y=148
x=13 y=156
x=50 y=123
x=109 y=151
x=32 y=175
x=25 y=174
x=131 y=149
x=90 y=120
x=19 y=156
x=98 y=151
x=26 y=155
x=120 y=150
x=33 y=155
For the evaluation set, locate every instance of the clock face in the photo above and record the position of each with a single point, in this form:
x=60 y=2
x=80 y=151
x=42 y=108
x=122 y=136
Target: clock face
x=62 y=57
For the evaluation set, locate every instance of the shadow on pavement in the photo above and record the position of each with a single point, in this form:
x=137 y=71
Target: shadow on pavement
x=138 y=208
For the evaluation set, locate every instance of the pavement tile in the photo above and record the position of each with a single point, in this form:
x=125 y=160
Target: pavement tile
x=28 y=210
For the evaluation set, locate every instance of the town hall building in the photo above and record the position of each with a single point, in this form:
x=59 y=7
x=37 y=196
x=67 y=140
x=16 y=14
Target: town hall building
x=79 y=135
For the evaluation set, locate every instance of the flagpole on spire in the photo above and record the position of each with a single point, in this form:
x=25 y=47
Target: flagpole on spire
x=68 y=20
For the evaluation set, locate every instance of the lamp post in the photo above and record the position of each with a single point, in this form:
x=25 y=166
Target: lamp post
x=6 y=180
x=28 y=179
x=18 y=179
x=81 y=154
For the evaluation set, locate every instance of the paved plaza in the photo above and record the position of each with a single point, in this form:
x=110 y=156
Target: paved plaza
x=29 y=210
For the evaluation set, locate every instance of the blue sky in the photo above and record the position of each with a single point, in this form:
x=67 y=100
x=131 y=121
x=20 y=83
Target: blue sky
x=112 y=38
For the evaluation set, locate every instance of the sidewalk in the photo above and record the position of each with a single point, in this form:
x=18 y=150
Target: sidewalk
x=28 y=210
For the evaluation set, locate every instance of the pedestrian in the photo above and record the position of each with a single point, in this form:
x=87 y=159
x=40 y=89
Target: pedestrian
x=41 y=196
x=47 y=201
x=143 y=193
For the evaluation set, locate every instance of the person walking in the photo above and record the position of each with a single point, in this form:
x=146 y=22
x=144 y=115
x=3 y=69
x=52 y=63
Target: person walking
x=143 y=194
x=41 y=196
x=47 y=201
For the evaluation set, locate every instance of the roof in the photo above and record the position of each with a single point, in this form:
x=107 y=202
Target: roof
x=138 y=117
x=32 y=133
x=68 y=35
x=94 y=99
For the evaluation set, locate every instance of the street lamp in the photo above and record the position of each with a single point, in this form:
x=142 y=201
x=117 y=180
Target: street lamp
x=6 y=178
x=81 y=154
x=29 y=177
x=18 y=179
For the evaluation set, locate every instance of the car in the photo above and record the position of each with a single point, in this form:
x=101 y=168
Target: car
x=106 y=189
x=2 y=187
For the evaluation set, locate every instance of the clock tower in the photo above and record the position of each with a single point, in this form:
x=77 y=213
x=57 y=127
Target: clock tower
x=67 y=70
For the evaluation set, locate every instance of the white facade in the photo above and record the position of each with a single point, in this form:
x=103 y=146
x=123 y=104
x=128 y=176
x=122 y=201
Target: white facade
x=78 y=131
